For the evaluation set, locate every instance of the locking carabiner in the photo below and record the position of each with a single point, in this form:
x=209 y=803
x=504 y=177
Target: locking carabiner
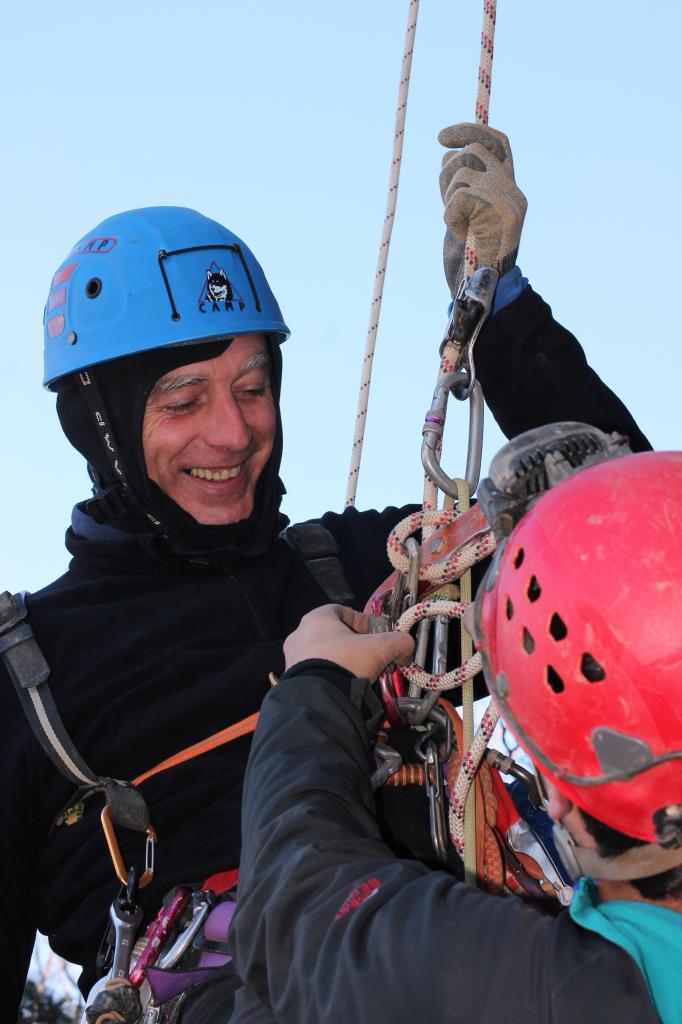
x=117 y=856
x=434 y=423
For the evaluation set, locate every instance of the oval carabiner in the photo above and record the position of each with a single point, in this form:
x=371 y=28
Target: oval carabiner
x=433 y=432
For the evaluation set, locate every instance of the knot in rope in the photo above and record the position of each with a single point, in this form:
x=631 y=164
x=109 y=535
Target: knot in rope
x=433 y=609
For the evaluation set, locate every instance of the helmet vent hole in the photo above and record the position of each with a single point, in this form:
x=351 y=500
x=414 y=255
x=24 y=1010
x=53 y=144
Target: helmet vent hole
x=528 y=642
x=518 y=560
x=534 y=589
x=554 y=680
x=557 y=627
x=93 y=288
x=509 y=610
x=591 y=669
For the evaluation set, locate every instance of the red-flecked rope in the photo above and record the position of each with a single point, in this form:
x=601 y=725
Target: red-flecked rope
x=485 y=72
x=458 y=565
x=449 y=354
x=375 y=309
x=448 y=363
x=432 y=609
x=471 y=762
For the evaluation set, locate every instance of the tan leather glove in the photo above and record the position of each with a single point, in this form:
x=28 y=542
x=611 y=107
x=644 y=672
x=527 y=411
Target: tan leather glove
x=480 y=194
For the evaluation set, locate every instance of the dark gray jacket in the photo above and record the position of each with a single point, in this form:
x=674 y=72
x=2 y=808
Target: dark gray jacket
x=331 y=926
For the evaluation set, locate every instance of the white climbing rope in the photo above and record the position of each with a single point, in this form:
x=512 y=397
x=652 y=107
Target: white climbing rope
x=375 y=308
x=471 y=762
x=458 y=564
x=463 y=795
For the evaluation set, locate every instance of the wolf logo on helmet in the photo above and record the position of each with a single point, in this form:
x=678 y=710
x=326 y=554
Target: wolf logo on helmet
x=219 y=288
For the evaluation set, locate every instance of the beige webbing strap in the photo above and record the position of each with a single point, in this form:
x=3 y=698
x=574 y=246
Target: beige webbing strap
x=467 y=649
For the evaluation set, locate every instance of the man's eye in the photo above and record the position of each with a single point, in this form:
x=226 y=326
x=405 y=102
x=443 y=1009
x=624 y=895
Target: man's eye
x=253 y=392
x=179 y=407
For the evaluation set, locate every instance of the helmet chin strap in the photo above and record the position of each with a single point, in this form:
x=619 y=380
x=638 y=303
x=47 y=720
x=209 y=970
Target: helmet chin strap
x=115 y=500
x=637 y=862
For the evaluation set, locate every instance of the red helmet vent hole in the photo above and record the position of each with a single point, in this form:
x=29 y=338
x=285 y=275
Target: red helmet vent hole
x=591 y=669
x=518 y=560
x=509 y=610
x=557 y=627
x=554 y=680
x=534 y=589
x=528 y=642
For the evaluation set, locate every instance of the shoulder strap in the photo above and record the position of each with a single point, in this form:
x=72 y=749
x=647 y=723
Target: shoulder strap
x=29 y=671
x=317 y=548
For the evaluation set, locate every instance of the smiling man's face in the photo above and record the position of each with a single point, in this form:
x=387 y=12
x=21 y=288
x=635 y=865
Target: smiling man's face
x=208 y=432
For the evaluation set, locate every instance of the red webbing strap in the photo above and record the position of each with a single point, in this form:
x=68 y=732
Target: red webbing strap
x=218 y=739
x=222 y=881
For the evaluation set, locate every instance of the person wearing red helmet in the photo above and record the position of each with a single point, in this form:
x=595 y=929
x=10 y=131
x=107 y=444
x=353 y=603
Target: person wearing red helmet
x=578 y=621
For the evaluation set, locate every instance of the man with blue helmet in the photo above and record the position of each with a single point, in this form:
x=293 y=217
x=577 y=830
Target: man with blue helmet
x=162 y=341
x=163 y=345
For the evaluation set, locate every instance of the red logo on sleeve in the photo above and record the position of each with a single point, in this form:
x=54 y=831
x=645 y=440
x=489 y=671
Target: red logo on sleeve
x=361 y=893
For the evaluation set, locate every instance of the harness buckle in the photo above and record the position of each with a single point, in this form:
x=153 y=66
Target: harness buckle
x=111 y=503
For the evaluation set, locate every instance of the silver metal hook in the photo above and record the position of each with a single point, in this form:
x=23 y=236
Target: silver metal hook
x=433 y=432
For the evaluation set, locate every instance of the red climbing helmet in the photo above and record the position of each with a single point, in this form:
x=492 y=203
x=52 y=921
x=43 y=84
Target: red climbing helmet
x=580 y=625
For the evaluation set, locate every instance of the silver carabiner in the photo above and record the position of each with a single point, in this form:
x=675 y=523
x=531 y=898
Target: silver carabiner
x=434 y=793
x=433 y=432
x=414 y=564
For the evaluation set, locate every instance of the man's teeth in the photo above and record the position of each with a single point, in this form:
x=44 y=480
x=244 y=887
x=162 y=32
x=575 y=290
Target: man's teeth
x=216 y=474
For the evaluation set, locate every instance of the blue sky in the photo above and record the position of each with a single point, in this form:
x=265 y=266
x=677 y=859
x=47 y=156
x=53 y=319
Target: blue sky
x=278 y=120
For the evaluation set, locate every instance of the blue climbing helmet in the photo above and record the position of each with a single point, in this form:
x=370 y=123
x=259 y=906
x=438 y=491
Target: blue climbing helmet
x=151 y=278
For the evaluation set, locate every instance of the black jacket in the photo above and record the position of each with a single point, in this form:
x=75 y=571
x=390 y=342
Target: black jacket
x=151 y=652
x=331 y=926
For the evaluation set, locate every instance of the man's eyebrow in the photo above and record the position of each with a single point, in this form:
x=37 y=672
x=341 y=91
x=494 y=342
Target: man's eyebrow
x=168 y=384
x=258 y=361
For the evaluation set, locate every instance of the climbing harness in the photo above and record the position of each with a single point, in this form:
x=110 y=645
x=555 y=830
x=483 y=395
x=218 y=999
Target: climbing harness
x=185 y=943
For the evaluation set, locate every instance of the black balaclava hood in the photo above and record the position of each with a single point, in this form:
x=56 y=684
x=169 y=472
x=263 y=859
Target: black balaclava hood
x=125 y=385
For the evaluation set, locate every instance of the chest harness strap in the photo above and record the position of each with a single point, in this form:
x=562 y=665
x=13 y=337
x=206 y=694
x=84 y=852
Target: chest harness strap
x=318 y=550
x=125 y=806
x=27 y=668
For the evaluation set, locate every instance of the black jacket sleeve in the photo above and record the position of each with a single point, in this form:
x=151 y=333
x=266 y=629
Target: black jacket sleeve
x=533 y=371
x=331 y=927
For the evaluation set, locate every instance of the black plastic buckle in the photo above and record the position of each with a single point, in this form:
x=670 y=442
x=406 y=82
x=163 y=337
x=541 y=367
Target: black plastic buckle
x=111 y=503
